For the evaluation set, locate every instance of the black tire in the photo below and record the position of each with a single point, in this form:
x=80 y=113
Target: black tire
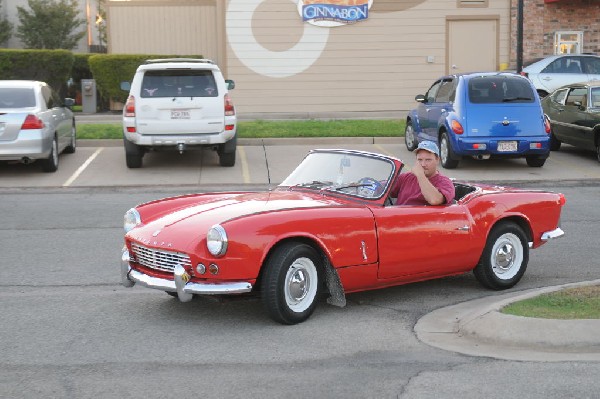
x=291 y=283
x=504 y=258
x=598 y=151
x=409 y=137
x=133 y=154
x=446 y=153
x=70 y=149
x=50 y=164
x=226 y=153
x=535 y=161
x=554 y=142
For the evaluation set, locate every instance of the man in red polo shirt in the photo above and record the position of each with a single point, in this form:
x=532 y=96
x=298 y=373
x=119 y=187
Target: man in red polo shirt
x=424 y=184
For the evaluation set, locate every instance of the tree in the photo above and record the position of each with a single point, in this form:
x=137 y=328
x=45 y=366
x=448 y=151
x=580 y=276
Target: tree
x=50 y=24
x=5 y=28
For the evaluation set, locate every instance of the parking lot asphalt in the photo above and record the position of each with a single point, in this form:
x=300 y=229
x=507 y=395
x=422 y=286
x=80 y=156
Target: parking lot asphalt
x=475 y=327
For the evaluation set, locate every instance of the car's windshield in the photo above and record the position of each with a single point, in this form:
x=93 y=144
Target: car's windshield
x=360 y=174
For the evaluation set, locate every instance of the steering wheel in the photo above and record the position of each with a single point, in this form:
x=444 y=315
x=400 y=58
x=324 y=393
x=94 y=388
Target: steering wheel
x=369 y=187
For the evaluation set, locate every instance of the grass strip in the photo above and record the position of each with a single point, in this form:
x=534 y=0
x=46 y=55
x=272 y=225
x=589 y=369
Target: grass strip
x=570 y=303
x=278 y=129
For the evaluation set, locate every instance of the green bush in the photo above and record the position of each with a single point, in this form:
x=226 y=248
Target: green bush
x=50 y=66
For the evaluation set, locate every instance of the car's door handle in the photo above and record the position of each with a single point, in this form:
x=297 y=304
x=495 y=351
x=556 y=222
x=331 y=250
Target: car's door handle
x=560 y=109
x=463 y=228
x=547 y=78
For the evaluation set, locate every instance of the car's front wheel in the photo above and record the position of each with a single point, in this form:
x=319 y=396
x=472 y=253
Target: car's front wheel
x=50 y=164
x=409 y=137
x=446 y=153
x=291 y=283
x=504 y=257
x=70 y=149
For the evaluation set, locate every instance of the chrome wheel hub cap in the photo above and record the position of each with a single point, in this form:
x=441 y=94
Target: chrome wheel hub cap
x=300 y=286
x=507 y=256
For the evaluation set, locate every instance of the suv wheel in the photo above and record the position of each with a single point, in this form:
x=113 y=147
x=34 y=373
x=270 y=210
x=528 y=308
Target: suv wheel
x=226 y=152
x=133 y=154
x=446 y=153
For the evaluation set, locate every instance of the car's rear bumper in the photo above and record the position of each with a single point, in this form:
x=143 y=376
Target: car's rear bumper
x=180 y=284
x=31 y=144
x=474 y=146
x=201 y=139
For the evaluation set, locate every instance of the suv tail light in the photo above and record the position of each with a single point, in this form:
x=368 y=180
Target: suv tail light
x=229 y=108
x=32 y=122
x=129 y=109
x=547 y=124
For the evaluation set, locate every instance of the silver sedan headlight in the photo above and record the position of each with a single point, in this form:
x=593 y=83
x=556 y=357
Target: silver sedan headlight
x=131 y=220
x=216 y=240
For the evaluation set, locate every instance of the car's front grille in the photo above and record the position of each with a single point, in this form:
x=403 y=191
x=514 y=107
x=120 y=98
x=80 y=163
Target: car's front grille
x=159 y=260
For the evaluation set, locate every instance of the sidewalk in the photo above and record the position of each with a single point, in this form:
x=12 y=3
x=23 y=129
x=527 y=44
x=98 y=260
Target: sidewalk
x=478 y=328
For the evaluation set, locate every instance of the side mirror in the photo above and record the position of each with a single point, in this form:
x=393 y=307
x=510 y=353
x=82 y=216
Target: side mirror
x=126 y=86
x=230 y=84
x=420 y=98
x=69 y=102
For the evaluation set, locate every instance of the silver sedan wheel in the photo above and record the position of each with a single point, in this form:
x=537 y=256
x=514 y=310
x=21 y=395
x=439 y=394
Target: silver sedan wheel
x=409 y=137
x=301 y=285
x=507 y=256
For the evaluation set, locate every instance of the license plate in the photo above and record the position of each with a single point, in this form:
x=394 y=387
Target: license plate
x=507 y=146
x=180 y=114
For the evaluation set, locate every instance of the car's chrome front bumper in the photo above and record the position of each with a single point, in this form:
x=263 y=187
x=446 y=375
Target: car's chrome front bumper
x=556 y=233
x=180 y=284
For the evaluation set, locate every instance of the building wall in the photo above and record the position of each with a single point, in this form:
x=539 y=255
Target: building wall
x=283 y=65
x=542 y=20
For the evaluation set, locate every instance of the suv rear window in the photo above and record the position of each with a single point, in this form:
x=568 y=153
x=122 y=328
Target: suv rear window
x=500 y=89
x=179 y=83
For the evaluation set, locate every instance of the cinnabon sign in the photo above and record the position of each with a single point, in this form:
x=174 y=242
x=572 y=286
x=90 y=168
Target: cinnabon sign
x=334 y=12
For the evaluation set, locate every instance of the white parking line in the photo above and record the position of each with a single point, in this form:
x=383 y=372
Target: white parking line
x=245 y=168
x=82 y=167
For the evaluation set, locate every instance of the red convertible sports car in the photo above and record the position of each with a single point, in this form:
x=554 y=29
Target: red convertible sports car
x=332 y=228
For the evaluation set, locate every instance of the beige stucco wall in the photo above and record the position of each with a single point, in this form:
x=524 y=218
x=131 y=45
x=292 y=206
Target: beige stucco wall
x=283 y=66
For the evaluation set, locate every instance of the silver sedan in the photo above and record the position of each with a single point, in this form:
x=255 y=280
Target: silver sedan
x=35 y=123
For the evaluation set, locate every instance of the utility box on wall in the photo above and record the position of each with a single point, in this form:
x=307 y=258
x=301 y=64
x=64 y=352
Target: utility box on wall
x=88 y=96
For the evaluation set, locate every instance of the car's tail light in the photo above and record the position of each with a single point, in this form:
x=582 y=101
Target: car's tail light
x=561 y=199
x=32 y=122
x=457 y=127
x=129 y=109
x=229 y=127
x=229 y=108
x=524 y=74
x=547 y=125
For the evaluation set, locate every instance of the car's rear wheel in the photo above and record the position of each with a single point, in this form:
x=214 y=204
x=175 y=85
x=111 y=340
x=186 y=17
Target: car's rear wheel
x=291 y=283
x=598 y=151
x=409 y=137
x=133 y=154
x=446 y=153
x=50 y=164
x=535 y=161
x=554 y=142
x=70 y=149
x=505 y=257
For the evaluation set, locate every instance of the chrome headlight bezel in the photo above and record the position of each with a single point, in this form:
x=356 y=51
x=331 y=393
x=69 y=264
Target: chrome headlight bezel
x=216 y=240
x=131 y=220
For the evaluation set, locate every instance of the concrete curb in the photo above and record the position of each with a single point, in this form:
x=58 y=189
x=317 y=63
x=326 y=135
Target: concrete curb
x=268 y=141
x=478 y=328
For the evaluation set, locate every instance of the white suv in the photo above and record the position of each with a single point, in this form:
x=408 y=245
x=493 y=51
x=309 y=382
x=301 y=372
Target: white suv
x=179 y=104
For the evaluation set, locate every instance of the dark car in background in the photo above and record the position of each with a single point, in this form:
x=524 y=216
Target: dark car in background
x=35 y=123
x=574 y=113
x=481 y=115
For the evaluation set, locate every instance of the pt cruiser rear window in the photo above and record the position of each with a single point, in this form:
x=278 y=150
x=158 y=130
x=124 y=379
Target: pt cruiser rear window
x=179 y=83
x=500 y=89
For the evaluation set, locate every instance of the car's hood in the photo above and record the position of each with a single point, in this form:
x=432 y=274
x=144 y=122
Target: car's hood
x=187 y=224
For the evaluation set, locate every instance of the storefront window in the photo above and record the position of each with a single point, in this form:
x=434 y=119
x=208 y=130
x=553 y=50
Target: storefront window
x=568 y=42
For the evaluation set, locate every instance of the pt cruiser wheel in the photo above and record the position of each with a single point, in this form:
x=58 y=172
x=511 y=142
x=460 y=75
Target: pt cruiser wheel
x=291 y=283
x=504 y=257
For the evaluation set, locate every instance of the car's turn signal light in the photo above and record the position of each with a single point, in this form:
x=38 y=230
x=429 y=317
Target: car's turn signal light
x=457 y=127
x=129 y=109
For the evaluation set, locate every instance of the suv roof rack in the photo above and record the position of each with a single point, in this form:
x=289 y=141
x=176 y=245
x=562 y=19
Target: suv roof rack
x=163 y=60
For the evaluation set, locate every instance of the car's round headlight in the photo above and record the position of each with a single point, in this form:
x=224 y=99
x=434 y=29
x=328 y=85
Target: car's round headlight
x=216 y=240
x=131 y=219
